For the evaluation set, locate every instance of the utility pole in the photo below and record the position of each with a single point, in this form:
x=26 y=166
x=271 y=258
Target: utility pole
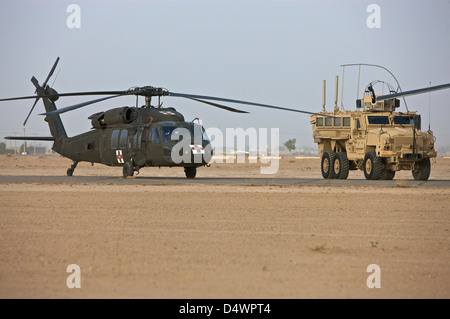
x=24 y=142
x=35 y=144
x=15 y=144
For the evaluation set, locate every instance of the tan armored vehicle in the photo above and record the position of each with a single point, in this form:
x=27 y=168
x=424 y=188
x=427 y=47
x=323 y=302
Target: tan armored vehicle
x=375 y=139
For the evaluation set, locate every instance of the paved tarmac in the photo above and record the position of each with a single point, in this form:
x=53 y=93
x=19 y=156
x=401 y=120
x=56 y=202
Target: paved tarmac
x=217 y=181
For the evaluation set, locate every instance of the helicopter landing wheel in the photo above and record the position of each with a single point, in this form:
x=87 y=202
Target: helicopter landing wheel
x=128 y=169
x=71 y=169
x=190 y=172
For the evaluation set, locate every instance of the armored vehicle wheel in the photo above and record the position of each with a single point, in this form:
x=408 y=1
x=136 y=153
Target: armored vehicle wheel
x=340 y=165
x=128 y=169
x=387 y=174
x=325 y=165
x=422 y=170
x=373 y=166
x=190 y=172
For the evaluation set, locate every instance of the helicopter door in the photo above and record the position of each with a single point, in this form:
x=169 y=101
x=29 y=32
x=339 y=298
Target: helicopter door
x=137 y=139
x=109 y=143
x=116 y=147
x=154 y=145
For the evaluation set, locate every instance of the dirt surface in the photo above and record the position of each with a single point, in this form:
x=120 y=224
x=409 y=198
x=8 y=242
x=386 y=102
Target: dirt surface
x=221 y=241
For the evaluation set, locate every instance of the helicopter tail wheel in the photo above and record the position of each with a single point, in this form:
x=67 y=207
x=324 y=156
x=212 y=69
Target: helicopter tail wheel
x=326 y=165
x=422 y=170
x=373 y=166
x=128 y=169
x=190 y=172
x=340 y=166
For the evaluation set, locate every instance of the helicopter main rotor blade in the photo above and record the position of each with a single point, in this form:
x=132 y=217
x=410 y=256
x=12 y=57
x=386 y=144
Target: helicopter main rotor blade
x=21 y=98
x=220 y=106
x=66 y=94
x=79 y=105
x=154 y=91
x=413 y=92
x=203 y=97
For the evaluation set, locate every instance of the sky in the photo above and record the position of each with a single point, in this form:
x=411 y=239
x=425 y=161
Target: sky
x=264 y=51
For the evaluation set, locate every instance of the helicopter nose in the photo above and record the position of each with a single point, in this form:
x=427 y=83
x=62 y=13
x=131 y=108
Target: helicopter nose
x=189 y=154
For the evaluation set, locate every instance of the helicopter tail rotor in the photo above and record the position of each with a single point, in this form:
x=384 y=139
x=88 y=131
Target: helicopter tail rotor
x=45 y=88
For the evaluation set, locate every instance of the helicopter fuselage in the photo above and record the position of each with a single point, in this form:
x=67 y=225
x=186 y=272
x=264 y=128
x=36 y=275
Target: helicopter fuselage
x=143 y=137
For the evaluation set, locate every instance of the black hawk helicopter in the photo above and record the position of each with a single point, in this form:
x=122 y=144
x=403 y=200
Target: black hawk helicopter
x=131 y=137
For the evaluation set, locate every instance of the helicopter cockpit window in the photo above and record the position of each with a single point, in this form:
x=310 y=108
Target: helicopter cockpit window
x=199 y=132
x=378 y=120
x=154 y=135
x=123 y=139
x=114 y=138
x=167 y=132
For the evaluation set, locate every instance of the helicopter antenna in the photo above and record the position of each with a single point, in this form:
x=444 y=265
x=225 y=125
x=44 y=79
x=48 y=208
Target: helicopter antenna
x=57 y=73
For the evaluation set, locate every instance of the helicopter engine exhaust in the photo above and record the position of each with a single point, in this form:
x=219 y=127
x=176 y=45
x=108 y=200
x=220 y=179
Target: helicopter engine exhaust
x=124 y=115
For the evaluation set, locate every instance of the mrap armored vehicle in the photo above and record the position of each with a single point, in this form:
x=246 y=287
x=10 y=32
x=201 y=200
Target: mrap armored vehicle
x=376 y=138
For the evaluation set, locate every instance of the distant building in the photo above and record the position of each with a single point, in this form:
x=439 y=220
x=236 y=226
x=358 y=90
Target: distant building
x=36 y=150
x=7 y=151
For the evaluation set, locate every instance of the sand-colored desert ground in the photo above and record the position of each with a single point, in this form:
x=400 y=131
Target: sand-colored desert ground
x=221 y=241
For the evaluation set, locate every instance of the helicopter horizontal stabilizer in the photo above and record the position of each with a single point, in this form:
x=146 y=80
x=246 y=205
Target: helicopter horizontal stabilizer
x=30 y=138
